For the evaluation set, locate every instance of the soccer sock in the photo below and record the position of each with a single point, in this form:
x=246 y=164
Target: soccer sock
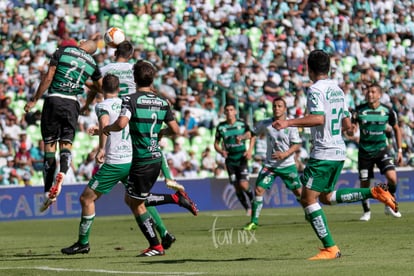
x=49 y=169
x=159 y=224
x=160 y=199
x=392 y=188
x=366 y=205
x=319 y=224
x=242 y=199
x=85 y=228
x=165 y=169
x=256 y=209
x=65 y=159
x=348 y=195
x=249 y=193
x=146 y=224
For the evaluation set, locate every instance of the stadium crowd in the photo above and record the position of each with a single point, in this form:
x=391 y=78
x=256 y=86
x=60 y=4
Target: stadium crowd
x=207 y=53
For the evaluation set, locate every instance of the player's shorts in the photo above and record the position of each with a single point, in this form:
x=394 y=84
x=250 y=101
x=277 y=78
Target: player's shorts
x=383 y=160
x=59 y=119
x=238 y=172
x=108 y=176
x=321 y=175
x=289 y=176
x=141 y=179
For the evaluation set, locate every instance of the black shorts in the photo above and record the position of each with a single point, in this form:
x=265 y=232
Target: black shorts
x=383 y=160
x=141 y=179
x=59 y=119
x=238 y=172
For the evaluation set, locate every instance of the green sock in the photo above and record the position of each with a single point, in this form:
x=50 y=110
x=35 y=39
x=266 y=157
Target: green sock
x=352 y=194
x=85 y=228
x=256 y=209
x=319 y=224
x=159 y=224
x=165 y=169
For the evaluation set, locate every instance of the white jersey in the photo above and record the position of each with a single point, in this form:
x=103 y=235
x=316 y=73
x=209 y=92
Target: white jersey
x=118 y=148
x=123 y=70
x=277 y=140
x=326 y=98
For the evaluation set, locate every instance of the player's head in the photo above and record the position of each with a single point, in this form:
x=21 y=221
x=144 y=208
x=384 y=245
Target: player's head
x=230 y=109
x=124 y=50
x=318 y=63
x=144 y=73
x=110 y=84
x=279 y=107
x=88 y=46
x=374 y=93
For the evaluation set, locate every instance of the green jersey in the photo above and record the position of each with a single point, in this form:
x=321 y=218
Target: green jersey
x=372 y=125
x=73 y=68
x=228 y=133
x=146 y=113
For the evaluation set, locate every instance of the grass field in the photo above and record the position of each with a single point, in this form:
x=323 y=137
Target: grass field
x=213 y=244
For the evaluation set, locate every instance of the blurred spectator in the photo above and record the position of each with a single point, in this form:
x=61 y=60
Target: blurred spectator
x=188 y=124
x=38 y=153
x=6 y=149
x=178 y=157
x=208 y=162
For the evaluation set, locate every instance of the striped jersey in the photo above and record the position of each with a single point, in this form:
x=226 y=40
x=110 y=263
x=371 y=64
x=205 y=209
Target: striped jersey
x=118 y=149
x=277 y=140
x=124 y=71
x=372 y=125
x=74 y=66
x=227 y=133
x=146 y=113
x=326 y=98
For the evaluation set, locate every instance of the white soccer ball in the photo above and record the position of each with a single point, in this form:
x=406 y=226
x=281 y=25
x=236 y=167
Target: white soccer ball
x=114 y=36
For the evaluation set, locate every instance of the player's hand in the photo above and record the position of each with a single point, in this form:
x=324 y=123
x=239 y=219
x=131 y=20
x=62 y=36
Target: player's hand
x=278 y=155
x=100 y=156
x=106 y=131
x=29 y=105
x=280 y=124
x=93 y=130
x=224 y=154
x=248 y=155
x=83 y=110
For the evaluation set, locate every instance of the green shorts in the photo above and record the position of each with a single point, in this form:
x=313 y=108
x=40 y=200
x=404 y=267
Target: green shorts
x=321 y=175
x=108 y=176
x=289 y=176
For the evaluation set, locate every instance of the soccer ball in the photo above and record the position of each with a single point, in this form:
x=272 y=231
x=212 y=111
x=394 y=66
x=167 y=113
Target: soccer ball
x=114 y=36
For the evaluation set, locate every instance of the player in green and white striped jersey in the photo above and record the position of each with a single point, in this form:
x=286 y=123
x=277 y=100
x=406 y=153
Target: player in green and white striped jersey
x=280 y=161
x=327 y=116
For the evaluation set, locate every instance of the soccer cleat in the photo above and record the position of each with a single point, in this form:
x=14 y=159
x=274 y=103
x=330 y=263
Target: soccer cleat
x=167 y=240
x=250 y=226
x=389 y=212
x=366 y=216
x=172 y=184
x=55 y=190
x=151 y=252
x=76 y=248
x=46 y=203
x=328 y=253
x=385 y=197
x=185 y=202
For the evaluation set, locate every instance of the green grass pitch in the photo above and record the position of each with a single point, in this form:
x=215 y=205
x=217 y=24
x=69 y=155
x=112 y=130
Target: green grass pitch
x=214 y=244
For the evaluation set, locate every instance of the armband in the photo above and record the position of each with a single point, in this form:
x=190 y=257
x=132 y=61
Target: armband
x=400 y=150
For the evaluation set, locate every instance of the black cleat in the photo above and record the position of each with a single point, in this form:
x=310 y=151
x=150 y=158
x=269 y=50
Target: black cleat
x=167 y=240
x=185 y=201
x=151 y=252
x=76 y=248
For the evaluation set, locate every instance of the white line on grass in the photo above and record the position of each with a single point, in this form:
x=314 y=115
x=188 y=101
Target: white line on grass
x=102 y=271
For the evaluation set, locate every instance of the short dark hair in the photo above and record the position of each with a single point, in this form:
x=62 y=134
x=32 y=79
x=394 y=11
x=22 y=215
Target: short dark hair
x=144 y=73
x=125 y=49
x=110 y=83
x=319 y=62
x=279 y=99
